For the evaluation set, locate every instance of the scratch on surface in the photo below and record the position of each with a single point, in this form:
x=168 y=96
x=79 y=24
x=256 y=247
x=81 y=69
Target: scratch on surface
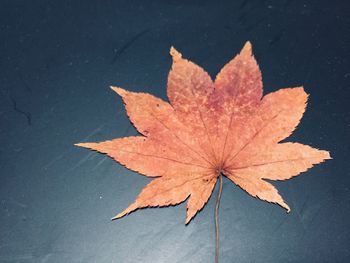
x=256 y=23
x=57 y=158
x=20 y=111
x=315 y=214
x=281 y=223
x=83 y=160
x=277 y=38
x=25 y=84
x=16 y=258
x=53 y=161
x=243 y=4
x=301 y=220
x=6 y=245
x=241 y=18
x=303 y=206
x=13 y=201
x=90 y=154
x=46 y=258
x=121 y=50
x=100 y=162
x=98 y=129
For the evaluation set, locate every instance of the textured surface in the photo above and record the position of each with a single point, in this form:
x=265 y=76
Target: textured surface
x=197 y=137
x=58 y=59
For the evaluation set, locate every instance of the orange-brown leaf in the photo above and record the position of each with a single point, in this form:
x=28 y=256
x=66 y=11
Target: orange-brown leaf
x=211 y=128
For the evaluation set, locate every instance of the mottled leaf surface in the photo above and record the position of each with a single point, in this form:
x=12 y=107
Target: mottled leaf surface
x=211 y=128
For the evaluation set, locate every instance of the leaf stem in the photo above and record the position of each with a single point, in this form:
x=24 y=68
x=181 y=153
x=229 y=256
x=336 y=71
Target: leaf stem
x=217 y=220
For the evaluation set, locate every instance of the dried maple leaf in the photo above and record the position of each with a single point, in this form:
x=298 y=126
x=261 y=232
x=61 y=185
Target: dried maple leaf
x=212 y=128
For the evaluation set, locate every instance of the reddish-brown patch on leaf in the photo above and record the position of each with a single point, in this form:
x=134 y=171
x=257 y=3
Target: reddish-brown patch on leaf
x=211 y=128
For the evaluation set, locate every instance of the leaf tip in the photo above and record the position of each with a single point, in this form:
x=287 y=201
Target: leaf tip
x=285 y=206
x=114 y=218
x=175 y=54
x=125 y=212
x=121 y=92
x=82 y=144
x=327 y=155
x=247 y=49
x=120 y=215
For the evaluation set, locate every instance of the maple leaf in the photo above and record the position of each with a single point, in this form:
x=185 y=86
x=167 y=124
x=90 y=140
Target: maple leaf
x=211 y=129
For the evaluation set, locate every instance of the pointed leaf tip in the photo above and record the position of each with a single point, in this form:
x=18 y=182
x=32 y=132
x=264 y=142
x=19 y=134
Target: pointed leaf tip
x=89 y=145
x=175 y=54
x=121 y=92
x=247 y=49
x=285 y=206
x=120 y=215
x=80 y=144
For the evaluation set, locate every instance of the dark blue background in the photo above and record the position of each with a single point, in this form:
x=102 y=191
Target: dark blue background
x=57 y=60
